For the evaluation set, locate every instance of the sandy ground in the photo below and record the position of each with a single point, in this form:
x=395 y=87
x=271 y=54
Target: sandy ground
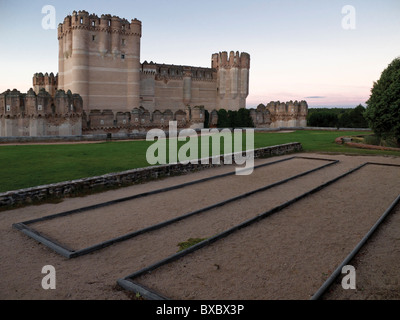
x=286 y=256
x=377 y=266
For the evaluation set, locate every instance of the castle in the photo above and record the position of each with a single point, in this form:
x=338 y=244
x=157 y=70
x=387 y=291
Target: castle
x=99 y=65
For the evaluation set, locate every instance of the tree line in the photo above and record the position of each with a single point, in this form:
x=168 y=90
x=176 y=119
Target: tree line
x=382 y=113
x=232 y=119
x=337 y=117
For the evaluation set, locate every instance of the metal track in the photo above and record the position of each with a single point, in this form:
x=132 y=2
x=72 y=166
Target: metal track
x=129 y=284
x=70 y=253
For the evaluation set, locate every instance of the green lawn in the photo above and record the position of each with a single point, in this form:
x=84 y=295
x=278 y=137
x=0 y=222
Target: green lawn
x=31 y=165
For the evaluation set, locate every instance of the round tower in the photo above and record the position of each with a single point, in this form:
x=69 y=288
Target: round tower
x=115 y=36
x=232 y=79
x=132 y=34
x=99 y=58
x=79 y=61
x=104 y=36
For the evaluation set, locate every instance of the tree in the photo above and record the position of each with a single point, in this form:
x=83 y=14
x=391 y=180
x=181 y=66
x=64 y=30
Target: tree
x=223 y=121
x=353 y=118
x=357 y=117
x=206 y=119
x=383 y=110
x=235 y=119
x=323 y=119
x=244 y=118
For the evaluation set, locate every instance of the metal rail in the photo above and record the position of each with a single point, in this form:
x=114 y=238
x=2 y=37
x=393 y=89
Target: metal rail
x=70 y=253
x=129 y=284
x=353 y=253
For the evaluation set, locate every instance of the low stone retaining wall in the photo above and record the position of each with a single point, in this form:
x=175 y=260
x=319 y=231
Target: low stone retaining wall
x=125 y=178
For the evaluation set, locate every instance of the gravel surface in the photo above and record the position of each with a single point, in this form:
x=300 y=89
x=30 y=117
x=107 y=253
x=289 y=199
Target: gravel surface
x=286 y=256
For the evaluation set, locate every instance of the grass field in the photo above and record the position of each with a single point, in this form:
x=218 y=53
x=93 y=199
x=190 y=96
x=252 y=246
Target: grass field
x=25 y=166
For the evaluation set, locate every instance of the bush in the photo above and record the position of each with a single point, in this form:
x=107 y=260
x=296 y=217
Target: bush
x=235 y=119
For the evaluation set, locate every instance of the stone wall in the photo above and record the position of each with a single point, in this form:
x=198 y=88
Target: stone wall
x=140 y=120
x=99 y=57
x=31 y=114
x=126 y=178
x=280 y=114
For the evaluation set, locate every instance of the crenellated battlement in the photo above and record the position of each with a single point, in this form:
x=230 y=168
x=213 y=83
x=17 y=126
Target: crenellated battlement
x=290 y=107
x=178 y=72
x=280 y=114
x=42 y=104
x=48 y=82
x=106 y=23
x=31 y=114
x=232 y=79
x=234 y=60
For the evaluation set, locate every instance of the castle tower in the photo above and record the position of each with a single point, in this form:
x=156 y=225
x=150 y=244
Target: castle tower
x=47 y=82
x=232 y=79
x=99 y=58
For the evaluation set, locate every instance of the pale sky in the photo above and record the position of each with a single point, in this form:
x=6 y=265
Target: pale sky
x=299 y=49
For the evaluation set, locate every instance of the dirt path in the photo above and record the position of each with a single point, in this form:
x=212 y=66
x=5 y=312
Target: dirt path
x=94 y=276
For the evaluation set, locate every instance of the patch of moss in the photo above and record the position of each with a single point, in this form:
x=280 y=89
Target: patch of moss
x=189 y=243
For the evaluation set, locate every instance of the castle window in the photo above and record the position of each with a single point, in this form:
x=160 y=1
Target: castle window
x=123 y=42
x=124 y=121
x=122 y=56
x=93 y=23
x=81 y=21
x=109 y=23
x=8 y=108
x=39 y=107
x=93 y=38
x=101 y=121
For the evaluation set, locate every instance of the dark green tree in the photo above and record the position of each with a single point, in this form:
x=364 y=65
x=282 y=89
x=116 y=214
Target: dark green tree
x=206 y=119
x=323 y=119
x=383 y=110
x=223 y=121
x=357 y=117
x=235 y=119
x=353 y=118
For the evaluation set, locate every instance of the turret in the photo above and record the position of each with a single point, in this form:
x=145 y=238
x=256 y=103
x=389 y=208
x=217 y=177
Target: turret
x=47 y=81
x=88 y=43
x=232 y=79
